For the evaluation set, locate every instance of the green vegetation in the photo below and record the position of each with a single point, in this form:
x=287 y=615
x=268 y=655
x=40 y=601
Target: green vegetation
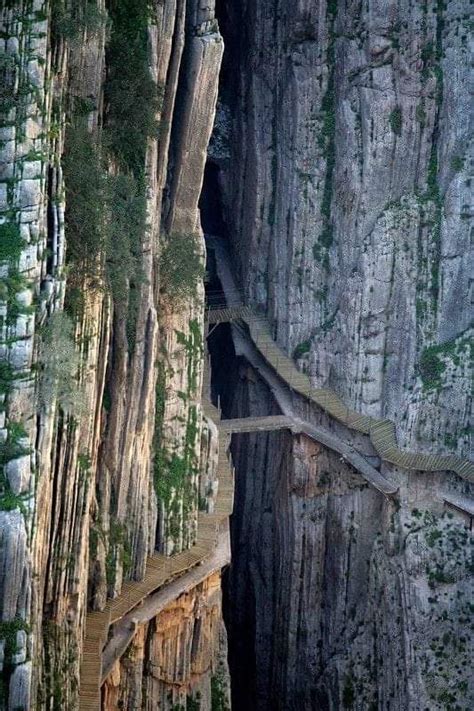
x=106 y=213
x=70 y=21
x=301 y=349
x=192 y=704
x=11 y=448
x=174 y=472
x=6 y=378
x=126 y=228
x=457 y=163
x=181 y=266
x=8 y=632
x=85 y=182
x=175 y=469
x=132 y=100
x=432 y=536
x=438 y=575
x=395 y=120
x=431 y=368
x=11 y=244
x=60 y=363
x=194 y=350
x=10 y=288
x=131 y=94
x=118 y=550
x=218 y=694
x=432 y=363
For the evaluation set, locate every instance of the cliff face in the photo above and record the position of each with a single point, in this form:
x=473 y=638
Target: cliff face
x=107 y=108
x=338 y=597
x=178 y=660
x=341 y=157
x=344 y=184
x=347 y=199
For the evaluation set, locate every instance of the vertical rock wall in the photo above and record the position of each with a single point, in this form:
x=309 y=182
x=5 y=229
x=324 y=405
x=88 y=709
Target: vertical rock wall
x=178 y=659
x=81 y=503
x=344 y=175
x=338 y=597
x=347 y=199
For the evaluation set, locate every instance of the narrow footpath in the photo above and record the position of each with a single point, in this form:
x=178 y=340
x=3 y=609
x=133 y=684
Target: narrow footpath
x=166 y=578
x=382 y=432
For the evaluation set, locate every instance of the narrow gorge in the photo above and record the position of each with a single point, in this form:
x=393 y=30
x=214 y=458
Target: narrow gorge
x=236 y=355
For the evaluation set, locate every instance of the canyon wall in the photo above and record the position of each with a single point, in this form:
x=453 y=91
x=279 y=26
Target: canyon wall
x=338 y=597
x=106 y=112
x=342 y=157
x=347 y=199
x=177 y=661
x=345 y=179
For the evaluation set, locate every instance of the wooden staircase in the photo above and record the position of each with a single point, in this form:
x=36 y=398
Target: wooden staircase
x=160 y=570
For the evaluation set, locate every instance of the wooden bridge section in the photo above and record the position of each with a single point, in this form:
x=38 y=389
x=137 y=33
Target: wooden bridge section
x=257 y=424
x=160 y=571
x=382 y=433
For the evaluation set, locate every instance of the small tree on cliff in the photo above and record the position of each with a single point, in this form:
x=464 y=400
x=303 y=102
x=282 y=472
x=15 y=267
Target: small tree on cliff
x=181 y=266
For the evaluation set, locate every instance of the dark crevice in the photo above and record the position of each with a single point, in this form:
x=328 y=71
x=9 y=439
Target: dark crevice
x=229 y=384
x=210 y=203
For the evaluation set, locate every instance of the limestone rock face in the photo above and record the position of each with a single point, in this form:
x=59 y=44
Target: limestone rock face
x=345 y=174
x=347 y=199
x=338 y=597
x=177 y=658
x=81 y=508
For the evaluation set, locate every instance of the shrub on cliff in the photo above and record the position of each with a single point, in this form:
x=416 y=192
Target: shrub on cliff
x=181 y=266
x=59 y=366
x=131 y=94
x=11 y=243
x=85 y=182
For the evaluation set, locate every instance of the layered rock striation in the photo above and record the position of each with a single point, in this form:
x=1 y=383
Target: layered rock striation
x=344 y=172
x=107 y=108
x=347 y=200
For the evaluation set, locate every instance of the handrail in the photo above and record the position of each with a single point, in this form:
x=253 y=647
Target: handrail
x=382 y=432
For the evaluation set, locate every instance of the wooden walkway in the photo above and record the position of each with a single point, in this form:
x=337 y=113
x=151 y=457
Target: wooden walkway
x=382 y=433
x=318 y=434
x=227 y=314
x=160 y=571
x=257 y=424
